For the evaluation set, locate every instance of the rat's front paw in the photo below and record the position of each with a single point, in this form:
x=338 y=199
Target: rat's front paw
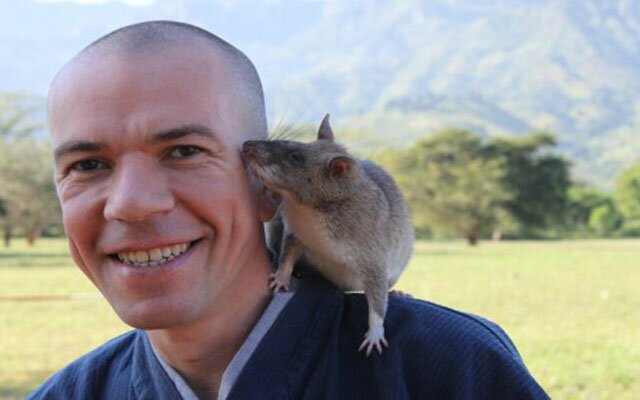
x=279 y=282
x=374 y=338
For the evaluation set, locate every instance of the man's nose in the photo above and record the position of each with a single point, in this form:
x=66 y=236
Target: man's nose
x=139 y=190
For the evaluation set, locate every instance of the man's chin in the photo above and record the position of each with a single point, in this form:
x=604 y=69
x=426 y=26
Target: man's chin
x=151 y=317
x=147 y=325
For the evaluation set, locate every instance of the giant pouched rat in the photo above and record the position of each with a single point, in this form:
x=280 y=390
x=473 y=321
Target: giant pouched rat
x=347 y=216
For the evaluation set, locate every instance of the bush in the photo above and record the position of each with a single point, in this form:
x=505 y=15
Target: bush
x=605 y=219
x=630 y=228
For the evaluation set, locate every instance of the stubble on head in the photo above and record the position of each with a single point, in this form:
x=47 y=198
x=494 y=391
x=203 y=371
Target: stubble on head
x=163 y=37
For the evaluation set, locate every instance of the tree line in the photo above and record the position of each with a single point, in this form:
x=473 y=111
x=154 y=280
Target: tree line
x=457 y=184
x=28 y=202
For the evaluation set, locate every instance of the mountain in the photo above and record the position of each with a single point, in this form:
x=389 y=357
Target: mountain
x=497 y=67
x=391 y=72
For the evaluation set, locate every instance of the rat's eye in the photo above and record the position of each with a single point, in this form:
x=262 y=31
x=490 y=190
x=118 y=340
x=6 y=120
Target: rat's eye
x=296 y=158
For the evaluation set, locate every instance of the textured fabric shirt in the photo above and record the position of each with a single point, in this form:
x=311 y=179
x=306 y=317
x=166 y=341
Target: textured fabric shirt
x=241 y=357
x=311 y=352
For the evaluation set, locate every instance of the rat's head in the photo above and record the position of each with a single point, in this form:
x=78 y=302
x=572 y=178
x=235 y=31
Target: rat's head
x=309 y=173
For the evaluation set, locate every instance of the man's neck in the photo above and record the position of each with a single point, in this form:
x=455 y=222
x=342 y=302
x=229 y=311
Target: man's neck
x=201 y=352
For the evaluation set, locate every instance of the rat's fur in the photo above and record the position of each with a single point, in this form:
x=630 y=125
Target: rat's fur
x=347 y=216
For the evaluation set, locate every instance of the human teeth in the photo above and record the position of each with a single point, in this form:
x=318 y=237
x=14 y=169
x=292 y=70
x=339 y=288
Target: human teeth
x=166 y=251
x=153 y=257
x=142 y=256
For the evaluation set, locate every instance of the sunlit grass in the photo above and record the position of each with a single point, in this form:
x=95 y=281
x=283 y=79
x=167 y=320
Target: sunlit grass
x=572 y=308
x=39 y=337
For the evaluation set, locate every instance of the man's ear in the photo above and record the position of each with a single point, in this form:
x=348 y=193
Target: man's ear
x=340 y=167
x=268 y=203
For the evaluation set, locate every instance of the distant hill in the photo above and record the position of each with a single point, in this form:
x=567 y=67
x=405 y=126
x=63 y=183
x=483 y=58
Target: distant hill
x=397 y=70
x=400 y=70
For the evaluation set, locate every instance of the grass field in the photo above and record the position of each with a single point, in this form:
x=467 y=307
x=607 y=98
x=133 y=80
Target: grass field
x=572 y=308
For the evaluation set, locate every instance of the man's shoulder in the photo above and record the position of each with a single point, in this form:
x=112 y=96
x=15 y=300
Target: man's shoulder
x=419 y=325
x=448 y=353
x=412 y=326
x=434 y=352
x=90 y=373
x=436 y=327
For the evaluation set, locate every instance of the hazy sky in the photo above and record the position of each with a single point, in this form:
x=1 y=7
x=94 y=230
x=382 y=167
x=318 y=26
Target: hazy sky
x=392 y=70
x=38 y=36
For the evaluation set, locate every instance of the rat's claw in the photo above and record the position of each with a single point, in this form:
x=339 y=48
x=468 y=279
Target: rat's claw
x=373 y=338
x=277 y=285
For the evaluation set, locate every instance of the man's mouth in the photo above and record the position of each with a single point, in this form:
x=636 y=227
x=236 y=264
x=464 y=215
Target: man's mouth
x=153 y=257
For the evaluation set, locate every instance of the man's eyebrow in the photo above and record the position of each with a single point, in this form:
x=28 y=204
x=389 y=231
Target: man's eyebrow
x=181 y=131
x=76 y=146
x=85 y=146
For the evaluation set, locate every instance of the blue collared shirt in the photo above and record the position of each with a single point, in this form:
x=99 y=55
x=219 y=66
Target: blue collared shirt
x=311 y=352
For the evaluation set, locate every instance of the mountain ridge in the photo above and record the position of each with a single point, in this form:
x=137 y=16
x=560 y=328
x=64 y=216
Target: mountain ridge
x=397 y=71
x=502 y=67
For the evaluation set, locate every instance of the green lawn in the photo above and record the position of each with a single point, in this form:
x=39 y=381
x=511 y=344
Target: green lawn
x=572 y=308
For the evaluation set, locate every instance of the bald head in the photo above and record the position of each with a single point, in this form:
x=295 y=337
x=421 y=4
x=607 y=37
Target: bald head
x=158 y=37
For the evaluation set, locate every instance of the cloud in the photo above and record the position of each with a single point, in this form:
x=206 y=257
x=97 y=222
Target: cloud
x=135 y=3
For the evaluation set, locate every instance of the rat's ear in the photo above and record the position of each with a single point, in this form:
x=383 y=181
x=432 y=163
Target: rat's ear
x=269 y=201
x=325 y=132
x=340 y=167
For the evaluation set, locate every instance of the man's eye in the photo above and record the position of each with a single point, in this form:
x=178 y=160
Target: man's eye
x=184 y=151
x=89 y=165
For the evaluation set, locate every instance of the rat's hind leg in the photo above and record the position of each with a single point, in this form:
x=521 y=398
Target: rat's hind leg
x=291 y=251
x=375 y=290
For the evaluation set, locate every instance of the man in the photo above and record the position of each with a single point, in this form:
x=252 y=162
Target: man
x=147 y=125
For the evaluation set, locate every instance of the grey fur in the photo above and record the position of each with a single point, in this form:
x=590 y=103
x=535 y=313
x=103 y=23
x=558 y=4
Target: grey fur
x=347 y=216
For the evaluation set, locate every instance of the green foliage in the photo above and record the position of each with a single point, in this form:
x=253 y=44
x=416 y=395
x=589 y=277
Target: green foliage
x=605 y=218
x=627 y=193
x=630 y=228
x=27 y=194
x=582 y=201
x=455 y=182
x=28 y=188
x=539 y=180
x=449 y=183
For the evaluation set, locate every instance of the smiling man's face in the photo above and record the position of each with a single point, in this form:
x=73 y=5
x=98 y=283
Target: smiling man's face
x=156 y=206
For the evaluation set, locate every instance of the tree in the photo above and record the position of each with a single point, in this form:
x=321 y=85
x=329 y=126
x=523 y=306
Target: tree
x=582 y=201
x=28 y=190
x=627 y=193
x=450 y=183
x=27 y=194
x=538 y=180
x=605 y=219
x=4 y=211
